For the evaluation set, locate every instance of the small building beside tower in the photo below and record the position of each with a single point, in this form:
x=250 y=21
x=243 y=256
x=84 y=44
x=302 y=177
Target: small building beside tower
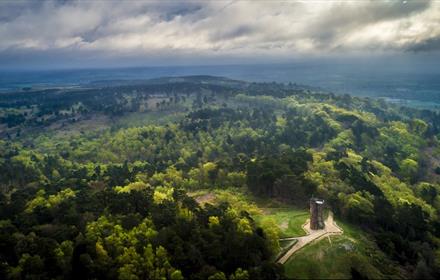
x=316 y=214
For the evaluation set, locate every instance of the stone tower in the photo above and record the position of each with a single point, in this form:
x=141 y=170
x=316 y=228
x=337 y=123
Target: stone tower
x=316 y=213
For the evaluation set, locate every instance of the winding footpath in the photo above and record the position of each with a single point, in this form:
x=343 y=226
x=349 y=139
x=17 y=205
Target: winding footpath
x=330 y=229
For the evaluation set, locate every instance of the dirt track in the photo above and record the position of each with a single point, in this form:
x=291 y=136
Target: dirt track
x=330 y=229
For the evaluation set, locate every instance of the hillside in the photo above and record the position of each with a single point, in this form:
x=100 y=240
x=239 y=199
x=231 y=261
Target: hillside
x=102 y=182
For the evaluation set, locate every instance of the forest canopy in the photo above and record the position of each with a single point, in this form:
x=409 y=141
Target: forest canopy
x=96 y=183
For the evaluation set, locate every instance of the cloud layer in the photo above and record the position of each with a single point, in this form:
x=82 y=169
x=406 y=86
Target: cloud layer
x=142 y=29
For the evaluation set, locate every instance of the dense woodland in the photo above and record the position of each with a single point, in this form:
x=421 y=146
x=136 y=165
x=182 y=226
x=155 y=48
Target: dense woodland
x=80 y=199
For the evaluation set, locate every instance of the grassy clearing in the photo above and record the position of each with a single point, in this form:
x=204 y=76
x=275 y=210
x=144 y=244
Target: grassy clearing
x=239 y=199
x=289 y=220
x=335 y=259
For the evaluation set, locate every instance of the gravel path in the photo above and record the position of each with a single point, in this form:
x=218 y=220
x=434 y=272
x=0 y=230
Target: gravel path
x=330 y=229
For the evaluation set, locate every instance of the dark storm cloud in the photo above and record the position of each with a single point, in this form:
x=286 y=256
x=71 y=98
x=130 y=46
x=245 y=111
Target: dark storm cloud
x=9 y=10
x=235 y=32
x=431 y=44
x=342 y=19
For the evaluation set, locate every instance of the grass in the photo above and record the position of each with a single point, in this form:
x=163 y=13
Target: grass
x=354 y=249
x=289 y=220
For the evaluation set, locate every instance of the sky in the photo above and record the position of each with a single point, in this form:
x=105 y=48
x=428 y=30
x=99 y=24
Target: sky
x=94 y=33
